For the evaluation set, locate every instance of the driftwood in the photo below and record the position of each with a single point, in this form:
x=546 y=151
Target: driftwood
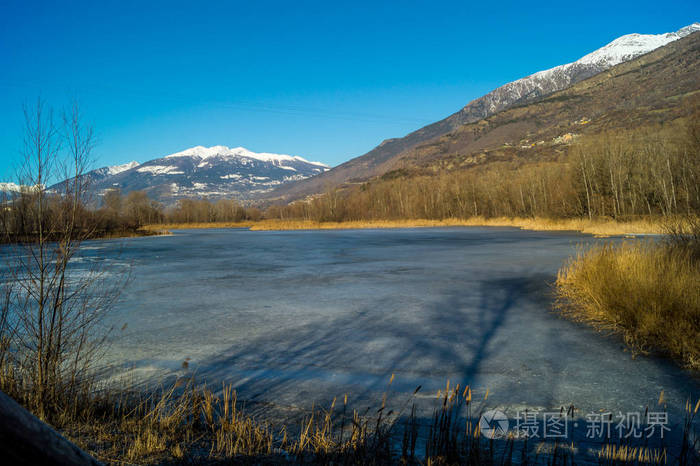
x=25 y=440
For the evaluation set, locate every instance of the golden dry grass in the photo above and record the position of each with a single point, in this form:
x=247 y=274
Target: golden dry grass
x=182 y=423
x=185 y=226
x=190 y=424
x=647 y=292
x=151 y=231
x=599 y=227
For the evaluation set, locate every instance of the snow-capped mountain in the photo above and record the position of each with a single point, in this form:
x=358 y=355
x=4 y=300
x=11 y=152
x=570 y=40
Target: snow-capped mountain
x=10 y=188
x=523 y=90
x=115 y=169
x=211 y=172
x=630 y=46
x=105 y=172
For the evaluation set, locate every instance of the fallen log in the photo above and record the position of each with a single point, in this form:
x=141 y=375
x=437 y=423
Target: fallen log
x=26 y=440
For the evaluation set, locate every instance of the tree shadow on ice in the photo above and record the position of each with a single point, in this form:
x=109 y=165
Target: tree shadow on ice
x=356 y=352
x=470 y=337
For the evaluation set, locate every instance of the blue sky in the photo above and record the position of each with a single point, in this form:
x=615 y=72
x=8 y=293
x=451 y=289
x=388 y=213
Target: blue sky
x=325 y=80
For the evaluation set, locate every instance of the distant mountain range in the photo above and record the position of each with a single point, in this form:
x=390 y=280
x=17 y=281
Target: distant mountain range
x=210 y=172
x=521 y=92
x=10 y=188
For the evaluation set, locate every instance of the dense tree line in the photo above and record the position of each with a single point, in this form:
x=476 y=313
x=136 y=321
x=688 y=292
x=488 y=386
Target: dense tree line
x=619 y=175
x=138 y=210
x=117 y=214
x=613 y=175
x=204 y=211
x=132 y=211
x=27 y=213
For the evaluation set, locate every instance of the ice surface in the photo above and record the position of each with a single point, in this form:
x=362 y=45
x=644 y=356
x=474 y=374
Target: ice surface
x=295 y=318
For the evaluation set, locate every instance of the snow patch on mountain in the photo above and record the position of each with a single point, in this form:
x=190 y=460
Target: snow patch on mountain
x=160 y=170
x=10 y=187
x=544 y=82
x=211 y=172
x=240 y=152
x=630 y=46
x=114 y=169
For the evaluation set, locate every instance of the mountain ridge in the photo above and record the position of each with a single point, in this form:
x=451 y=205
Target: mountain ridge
x=211 y=172
x=651 y=90
x=518 y=92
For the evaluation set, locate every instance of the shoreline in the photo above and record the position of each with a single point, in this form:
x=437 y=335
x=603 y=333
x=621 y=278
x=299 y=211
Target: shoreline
x=140 y=233
x=148 y=231
x=596 y=227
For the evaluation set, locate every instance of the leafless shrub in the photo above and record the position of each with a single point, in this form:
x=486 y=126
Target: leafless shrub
x=54 y=299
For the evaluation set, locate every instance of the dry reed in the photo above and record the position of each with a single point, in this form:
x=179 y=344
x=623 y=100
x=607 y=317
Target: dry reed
x=600 y=227
x=645 y=291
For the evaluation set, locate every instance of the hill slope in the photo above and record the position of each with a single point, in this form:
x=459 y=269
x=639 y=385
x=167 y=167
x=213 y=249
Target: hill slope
x=653 y=89
x=519 y=92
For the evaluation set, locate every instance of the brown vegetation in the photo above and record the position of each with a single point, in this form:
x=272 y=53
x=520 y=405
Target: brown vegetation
x=599 y=227
x=626 y=183
x=115 y=218
x=645 y=291
x=622 y=176
x=204 y=211
x=156 y=227
x=191 y=424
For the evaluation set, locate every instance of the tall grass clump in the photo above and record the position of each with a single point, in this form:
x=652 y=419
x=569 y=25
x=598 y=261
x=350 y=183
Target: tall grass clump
x=189 y=423
x=647 y=291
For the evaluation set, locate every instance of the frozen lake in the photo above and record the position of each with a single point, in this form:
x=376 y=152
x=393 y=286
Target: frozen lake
x=295 y=318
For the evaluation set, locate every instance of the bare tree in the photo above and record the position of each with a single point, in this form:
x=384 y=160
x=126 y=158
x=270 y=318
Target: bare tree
x=56 y=300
